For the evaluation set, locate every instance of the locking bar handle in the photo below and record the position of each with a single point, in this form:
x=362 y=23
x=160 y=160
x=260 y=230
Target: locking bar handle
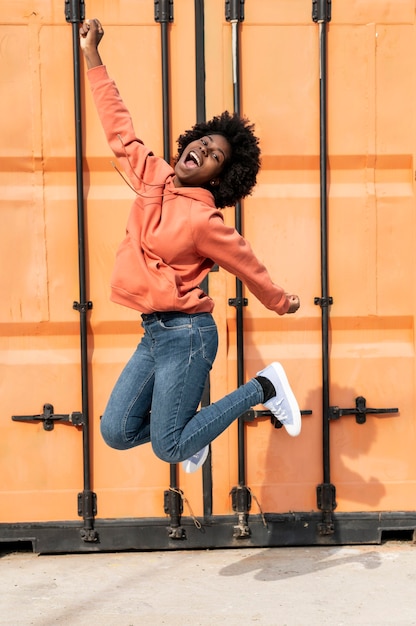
x=48 y=417
x=360 y=411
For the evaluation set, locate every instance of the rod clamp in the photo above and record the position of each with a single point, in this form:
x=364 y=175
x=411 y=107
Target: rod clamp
x=82 y=308
x=234 y=10
x=237 y=302
x=75 y=11
x=360 y=411
x=321 y=11
x=163 y=11
x=324 y=302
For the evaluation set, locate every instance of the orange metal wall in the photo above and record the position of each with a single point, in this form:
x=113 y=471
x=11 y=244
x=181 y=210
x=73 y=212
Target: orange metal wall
x=371 y=100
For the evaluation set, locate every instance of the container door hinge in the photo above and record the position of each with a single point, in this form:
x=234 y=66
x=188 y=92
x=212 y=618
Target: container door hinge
x=241 y=502
x=173 y=506
x=163 y=11
x=48 y=417
x=360 y=411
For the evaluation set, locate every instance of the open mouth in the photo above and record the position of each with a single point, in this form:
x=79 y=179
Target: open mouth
x=193 y=159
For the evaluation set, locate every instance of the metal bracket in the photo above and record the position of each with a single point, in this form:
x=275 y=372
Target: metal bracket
x=252 y=414
x=87 y=504
x=326 y=497
x=241 y=499
x=87 y=508
x=324 y=302
x=173 y=506
x=234 y=10
x=82 y=308
x=321 y=10
x=237 y=302
x=360 y=411
x=75 y=11
x=326 y=502
x=241 y=503
x=48 y=417
x=163 y=11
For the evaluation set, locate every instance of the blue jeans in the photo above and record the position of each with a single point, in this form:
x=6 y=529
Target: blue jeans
x=157 y=395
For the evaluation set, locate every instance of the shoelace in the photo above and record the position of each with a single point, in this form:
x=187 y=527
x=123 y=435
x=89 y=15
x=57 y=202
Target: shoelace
x=280 y=414
x=278 y=411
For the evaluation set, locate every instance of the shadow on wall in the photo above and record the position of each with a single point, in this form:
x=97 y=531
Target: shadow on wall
x=297 y=463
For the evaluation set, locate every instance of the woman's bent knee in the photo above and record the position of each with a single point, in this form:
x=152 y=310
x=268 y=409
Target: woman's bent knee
x=111 y=438
x=165 y=455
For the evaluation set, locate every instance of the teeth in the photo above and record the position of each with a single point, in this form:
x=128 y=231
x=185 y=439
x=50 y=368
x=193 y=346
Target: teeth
x=196 y=158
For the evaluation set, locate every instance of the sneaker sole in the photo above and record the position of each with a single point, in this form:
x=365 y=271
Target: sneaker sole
x=190 y=467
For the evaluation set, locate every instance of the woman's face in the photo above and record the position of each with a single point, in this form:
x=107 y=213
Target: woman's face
x=202 y=161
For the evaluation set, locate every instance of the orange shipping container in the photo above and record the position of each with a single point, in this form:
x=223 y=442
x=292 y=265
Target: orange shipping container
x=351 y=475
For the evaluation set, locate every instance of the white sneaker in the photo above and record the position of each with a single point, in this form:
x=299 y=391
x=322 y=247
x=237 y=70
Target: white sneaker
x=195 y=461
x=283 y=405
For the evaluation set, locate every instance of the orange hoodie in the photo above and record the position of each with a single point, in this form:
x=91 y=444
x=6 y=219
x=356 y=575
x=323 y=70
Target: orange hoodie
x=174 y=235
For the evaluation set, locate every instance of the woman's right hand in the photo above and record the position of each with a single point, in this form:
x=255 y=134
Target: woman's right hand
x=294 y=303
x=90 y=34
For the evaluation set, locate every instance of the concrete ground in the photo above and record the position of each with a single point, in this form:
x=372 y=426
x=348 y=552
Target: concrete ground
x=357 y=585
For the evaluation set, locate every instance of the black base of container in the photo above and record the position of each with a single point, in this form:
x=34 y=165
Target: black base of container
x=282 y=530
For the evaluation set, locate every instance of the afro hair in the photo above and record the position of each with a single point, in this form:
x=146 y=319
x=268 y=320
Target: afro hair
x=239 y=175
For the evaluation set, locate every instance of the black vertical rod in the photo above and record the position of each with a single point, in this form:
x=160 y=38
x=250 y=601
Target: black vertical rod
x=200 y=60
x=234 y=12
x=199 y=9
x=175 y=519
x=165 y=91
x=235 y=35
x=74 y=12
x=321 y=13
x=324 y=249
x=164 y=15
x=167 y=155
x=238 y=283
